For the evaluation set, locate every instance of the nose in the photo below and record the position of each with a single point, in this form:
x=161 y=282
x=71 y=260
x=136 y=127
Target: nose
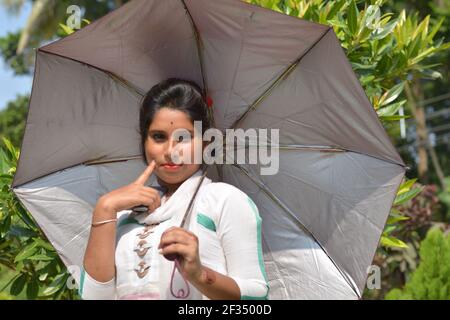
x=170 y=149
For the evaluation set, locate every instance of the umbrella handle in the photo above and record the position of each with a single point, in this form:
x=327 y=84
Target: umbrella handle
x=181 y=293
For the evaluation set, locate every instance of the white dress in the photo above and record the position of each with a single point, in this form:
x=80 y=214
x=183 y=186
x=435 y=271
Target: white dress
x=228 y=226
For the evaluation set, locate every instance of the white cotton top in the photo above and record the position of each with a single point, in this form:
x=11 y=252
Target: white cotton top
x=228 y=226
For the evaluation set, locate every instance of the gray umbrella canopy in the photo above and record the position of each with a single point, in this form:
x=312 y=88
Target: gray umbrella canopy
x=322 y=213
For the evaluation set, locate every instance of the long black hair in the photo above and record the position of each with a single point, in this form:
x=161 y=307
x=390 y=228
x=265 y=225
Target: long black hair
x=179 y=94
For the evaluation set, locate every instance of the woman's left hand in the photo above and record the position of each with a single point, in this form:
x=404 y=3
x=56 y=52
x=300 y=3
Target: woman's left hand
x=184 y=243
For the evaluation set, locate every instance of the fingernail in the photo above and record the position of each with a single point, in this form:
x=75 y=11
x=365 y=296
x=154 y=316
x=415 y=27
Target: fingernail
x=160 y=251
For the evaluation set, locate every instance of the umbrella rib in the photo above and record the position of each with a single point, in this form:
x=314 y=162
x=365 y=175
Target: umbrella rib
x=272 y=196
x=199 y=43
x=277 y=81
x=200 y=46
x=330 y=149
x=100 y=161
x=311 y=148
x=287 y=147
x=113 y=76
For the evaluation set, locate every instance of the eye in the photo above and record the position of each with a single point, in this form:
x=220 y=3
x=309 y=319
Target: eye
x=185 y=137
x=158 y=136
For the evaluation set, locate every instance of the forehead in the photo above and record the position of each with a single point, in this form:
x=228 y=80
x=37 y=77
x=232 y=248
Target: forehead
x=167 y=119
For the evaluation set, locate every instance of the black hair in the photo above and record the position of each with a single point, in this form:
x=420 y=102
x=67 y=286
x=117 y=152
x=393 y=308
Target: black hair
x=174 y=93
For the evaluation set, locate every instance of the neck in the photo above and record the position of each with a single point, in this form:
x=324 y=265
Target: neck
x=171 y=188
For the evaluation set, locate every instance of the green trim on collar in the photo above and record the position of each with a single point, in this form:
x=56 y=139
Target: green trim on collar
x=126 y=221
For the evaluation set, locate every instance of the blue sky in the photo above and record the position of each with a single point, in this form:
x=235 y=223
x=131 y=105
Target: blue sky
x=11 y=85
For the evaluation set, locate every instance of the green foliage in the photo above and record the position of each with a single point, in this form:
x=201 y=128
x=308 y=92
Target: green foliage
x=444 y=196
x=8 y=46
x=431 y=279
x=12 y=120
x=404 y=194
x=66 y=30
x=24 y=249
x=384 y=51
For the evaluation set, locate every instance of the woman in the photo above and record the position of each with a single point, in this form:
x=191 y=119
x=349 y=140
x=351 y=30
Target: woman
x=147 y=255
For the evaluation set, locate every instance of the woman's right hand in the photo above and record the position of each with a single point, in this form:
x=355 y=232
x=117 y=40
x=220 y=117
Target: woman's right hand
x=133 y=194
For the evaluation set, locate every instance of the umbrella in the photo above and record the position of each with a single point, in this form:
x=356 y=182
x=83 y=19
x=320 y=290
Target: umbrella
x=323 y=211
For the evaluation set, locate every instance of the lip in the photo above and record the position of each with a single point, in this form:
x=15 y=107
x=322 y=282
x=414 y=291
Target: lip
x=171 y=166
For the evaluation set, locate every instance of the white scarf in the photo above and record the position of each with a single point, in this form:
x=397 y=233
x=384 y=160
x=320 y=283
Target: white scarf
x=177 y=204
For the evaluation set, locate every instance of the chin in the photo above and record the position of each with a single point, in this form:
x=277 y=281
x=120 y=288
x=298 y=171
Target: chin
x=175 y=177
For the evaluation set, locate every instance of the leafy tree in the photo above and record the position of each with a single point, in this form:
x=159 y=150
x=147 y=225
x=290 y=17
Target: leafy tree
x=8 y=49
x=429 y=161
x=24 y=248
x=431 y=280
x=12 y=119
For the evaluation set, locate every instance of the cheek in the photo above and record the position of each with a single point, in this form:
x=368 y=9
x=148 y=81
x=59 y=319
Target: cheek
x=152 y=150
x=183 y=153
x=187 y=151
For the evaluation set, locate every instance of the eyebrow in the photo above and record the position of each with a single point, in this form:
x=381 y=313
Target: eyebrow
x=162 y=131
x=156 y=131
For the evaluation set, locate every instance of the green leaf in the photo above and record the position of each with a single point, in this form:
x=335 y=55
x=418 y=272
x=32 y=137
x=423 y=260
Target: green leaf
x=32 y=289
x=352 y=17
x=18 y=231
x=393 y=118
x=23 y=214
x=381 y=33
x=18 y=285
x=356 y=66
x=6 y=176
x=404 y=197
x=337 y=23
x=435 y=30
x=10 y=148
x=414 y=47
x=366 y=79
x=43 y=276
x=389 y=229
x=431 y=74
x=392 y=94
x=335 y=9
x=392 y=242
x=424 y=54
x=391 y=109
x=42 y=257
x=422 y=28
x=395 y=211
x=394 y=219
x=45 y=245
x=67 y=30
x=406 y=186
x=26 y=252
x=57 y=284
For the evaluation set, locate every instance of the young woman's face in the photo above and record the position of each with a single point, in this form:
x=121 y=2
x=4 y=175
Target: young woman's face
x=163 y=137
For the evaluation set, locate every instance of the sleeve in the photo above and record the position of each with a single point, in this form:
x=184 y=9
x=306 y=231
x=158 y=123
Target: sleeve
x=239 y=230
x=91 y=289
